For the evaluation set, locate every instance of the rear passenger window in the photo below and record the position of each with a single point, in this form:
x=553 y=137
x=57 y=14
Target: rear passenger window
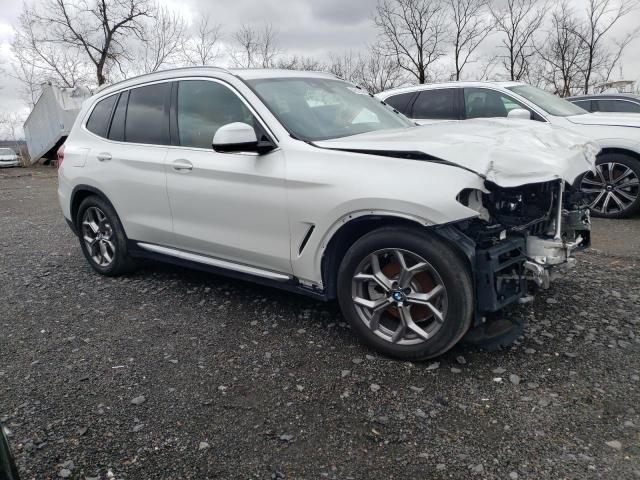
x=148 y=114
x=439 y=104
x=401 y=102
x=622 y=106
x=204 y=107
x=116 y=132
x=98 y=122
x=586 y=104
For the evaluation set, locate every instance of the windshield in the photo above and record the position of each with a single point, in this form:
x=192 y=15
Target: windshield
x=320 y=109
x=551 y=104
x=6 y=151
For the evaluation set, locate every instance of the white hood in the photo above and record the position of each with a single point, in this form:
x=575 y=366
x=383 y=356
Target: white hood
x=506 y=152
x=607 y=118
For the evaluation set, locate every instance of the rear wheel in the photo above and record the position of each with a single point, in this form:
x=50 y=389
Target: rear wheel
x=406 y=293
x=102 y=237
x=613 y=191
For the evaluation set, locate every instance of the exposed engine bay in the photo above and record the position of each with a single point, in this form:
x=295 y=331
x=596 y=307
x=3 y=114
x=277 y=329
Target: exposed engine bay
x=522 y=237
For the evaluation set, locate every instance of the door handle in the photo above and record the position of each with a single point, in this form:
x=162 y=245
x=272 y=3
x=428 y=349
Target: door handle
x=182 y=165
x=104 y=156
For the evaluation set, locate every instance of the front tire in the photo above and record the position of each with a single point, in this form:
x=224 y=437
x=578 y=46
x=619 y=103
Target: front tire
x=102 y=238
x=406 y=293
x=614 y=190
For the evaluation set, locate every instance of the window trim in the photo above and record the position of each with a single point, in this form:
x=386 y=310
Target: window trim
x=267 y=130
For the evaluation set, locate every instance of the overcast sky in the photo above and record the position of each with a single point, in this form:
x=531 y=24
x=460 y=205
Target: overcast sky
x=309 y=27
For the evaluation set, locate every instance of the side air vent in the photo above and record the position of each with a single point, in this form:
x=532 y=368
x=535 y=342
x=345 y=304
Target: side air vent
x=306 y=239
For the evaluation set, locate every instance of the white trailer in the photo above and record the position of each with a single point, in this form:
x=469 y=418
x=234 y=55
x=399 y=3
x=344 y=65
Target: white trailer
x=51 y=119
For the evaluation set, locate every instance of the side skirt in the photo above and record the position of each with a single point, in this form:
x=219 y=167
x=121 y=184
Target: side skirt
x=212 y=265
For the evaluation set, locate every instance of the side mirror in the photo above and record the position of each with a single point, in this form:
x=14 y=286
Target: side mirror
x=519 y=113
x=239 y=137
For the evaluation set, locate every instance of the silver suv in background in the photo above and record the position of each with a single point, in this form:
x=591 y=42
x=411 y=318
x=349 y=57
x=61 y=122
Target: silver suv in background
x=613 y=189
x=305 y=182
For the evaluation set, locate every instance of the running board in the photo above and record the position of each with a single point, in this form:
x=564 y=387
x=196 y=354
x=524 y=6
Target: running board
x=214 y=262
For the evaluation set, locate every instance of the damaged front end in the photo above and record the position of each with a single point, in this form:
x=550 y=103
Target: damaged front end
x=523 y=237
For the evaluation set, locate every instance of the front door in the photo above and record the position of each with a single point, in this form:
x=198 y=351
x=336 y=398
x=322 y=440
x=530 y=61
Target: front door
x=230 y=206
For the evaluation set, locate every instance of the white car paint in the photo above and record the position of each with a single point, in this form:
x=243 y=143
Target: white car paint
x=254 y=210
x=610 y=130
x=543 y=153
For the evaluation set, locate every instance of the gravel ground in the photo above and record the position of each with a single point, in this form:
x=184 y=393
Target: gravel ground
x=170 y=373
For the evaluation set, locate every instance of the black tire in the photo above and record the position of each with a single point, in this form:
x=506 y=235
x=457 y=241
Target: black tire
x=121 y=262
x=452 y=270
x=612 y=210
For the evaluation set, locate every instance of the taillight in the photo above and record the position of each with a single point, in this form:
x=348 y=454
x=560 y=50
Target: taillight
x=60 y=156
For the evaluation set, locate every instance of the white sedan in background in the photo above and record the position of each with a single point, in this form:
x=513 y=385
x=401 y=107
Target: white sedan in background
x=613 y=189
x=9 y=158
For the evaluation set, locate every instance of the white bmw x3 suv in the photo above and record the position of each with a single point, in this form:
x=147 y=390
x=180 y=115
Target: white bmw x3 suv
x=613 y=188
x=303 y=181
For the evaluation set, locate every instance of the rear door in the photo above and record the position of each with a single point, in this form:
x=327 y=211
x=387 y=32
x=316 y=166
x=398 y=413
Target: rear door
x=128 y=159
x=230 y=206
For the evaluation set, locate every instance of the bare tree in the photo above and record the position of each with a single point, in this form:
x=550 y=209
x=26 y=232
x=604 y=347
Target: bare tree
x=602 y=16
x=257 y=46
x=346 y=66
x=518 y=21
x=412 y=31
x=162 y=42
x=562 y=53
x=10 y=126
x=470 y=28
x=203 y=47
x=99 y=29
x=300 y=62
x=379 y=72
x=37 y=60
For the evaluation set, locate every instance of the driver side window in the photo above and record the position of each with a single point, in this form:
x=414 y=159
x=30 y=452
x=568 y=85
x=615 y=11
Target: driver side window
x=485 y=103
x=204 y=107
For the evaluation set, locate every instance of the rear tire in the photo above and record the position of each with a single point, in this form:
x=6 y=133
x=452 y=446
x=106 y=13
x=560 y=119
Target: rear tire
x=102 y=238
x=406 y=293
x=614 y=190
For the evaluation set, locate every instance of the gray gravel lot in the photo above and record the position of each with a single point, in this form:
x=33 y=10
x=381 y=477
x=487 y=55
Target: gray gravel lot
x=171 y=373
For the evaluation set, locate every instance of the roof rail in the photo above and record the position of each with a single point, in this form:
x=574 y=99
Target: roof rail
x=107 y=85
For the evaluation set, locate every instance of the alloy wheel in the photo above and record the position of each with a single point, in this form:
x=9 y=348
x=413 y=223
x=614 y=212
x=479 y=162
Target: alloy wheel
x=399 y=296
x=612 y=189
x=98 y=236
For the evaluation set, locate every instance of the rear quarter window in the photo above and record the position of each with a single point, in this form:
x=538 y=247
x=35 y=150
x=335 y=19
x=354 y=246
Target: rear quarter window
x=98 y=122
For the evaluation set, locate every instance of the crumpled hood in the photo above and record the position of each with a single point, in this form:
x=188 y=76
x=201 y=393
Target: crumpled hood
x=607 y=118
x=506 y=152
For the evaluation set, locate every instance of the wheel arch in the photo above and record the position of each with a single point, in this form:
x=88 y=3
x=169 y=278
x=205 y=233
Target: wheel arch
x=620 y=151
x=355 y=228
x=78 y=194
